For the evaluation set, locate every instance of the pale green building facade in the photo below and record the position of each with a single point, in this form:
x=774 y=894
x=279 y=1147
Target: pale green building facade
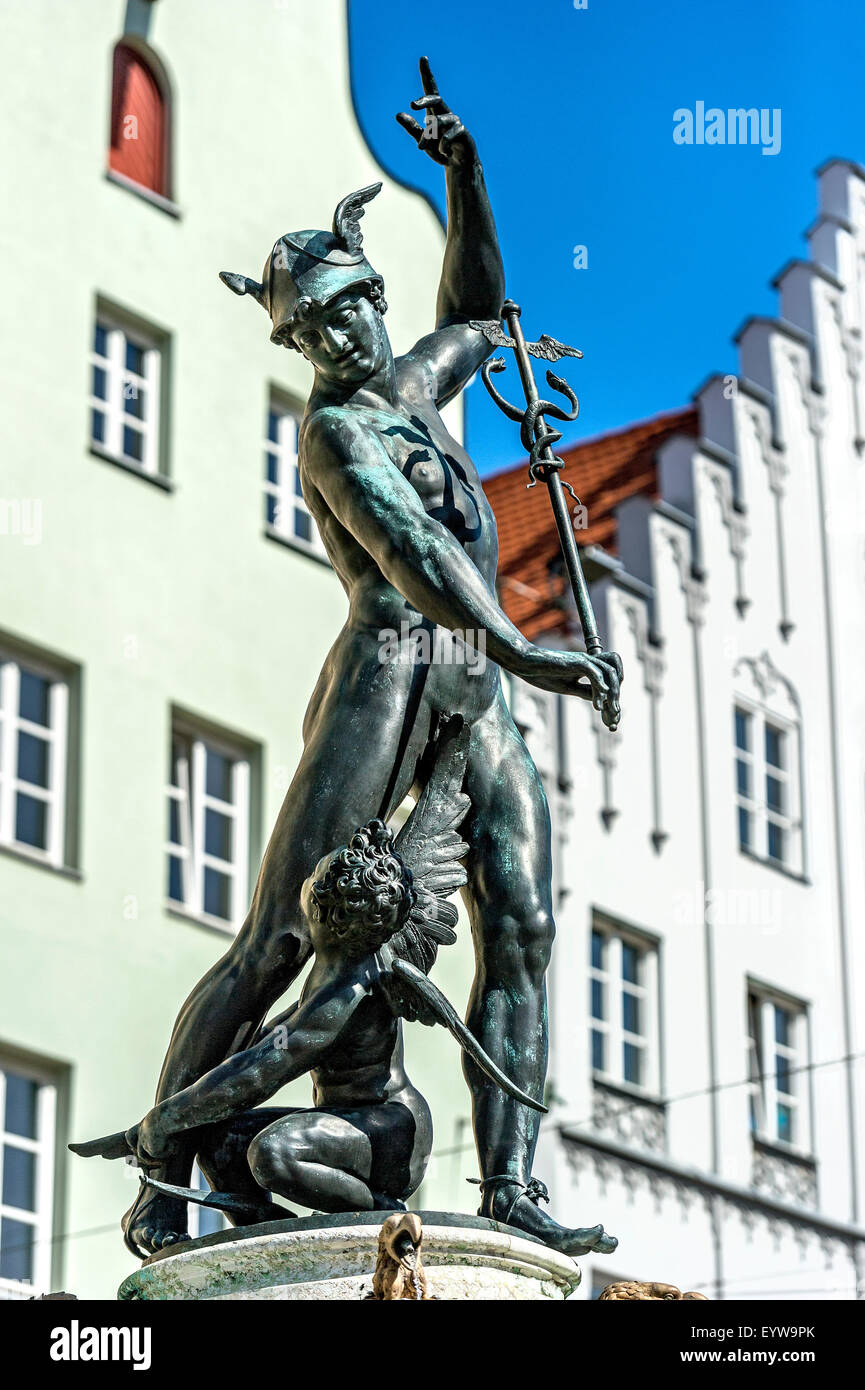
x=165 y=610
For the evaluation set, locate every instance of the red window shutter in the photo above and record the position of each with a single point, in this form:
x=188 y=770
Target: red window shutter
x=137 y=122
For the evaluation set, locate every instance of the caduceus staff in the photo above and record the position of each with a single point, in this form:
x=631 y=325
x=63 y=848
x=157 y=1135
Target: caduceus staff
x=537 y=439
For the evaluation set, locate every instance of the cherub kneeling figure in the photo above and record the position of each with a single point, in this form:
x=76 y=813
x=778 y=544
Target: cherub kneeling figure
x=377 y=912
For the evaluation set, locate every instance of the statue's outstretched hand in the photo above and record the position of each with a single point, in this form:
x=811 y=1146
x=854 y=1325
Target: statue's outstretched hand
x=150 y=1140
x=442 y=136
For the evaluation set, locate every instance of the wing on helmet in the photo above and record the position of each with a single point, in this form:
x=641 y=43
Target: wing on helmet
x=346 y=219
x=432 y=1006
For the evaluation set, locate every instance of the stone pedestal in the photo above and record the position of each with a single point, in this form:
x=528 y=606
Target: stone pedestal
x=333 y=1257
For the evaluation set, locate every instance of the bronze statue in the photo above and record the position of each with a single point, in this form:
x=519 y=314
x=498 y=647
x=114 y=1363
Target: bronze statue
x=403 y=517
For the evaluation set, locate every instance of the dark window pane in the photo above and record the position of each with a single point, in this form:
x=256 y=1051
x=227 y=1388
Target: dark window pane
x=631 y=1013
x=777 y=839
x=630 y=963
x=218 y=775
x=134 y=399
x=298 y=490
x=97 y=427
x=774 y=747
x=217 y=834
x=782 y=1026
x=33 y=698
x=633 y=1064
x=271 y=509
x=100 y=382
x=743 y=778
x=597 y=999
x=19 y=1178
x=273 y=426
x=174 y=821
x=272 y=466
x=782 y=1075
x=302 y=525
x=744 y=828
x=754 y=1118
x=597 y=950
x=743 y=729
x=134 y=358
x=33 y=760
x=217 y=894
x=16 y=1249
x=21 y=1098
x=175 y=879
x=100 y=340
x=133 y=444
x=598 y=1051
x=785 y=1123
x=774 y=794
x=31 y=821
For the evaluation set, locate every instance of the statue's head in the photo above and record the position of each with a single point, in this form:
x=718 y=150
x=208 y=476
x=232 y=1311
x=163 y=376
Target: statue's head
x=323 y=296
x=359 y=896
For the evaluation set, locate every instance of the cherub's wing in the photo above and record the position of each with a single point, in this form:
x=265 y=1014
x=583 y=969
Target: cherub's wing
x=431 y=1006
x=492 y=331
x=431 y=849
x=550 y=349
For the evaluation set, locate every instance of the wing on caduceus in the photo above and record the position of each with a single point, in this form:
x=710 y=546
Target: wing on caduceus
x=550 y=349
x=431 y=848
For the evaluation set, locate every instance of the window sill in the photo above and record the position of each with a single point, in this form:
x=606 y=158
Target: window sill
x=156 y=200
x=778 y=867
x=158 y=479
x=298 y=547
x=201 y=919
x=778 y=1149
x=627 y=1091
x=21 y=852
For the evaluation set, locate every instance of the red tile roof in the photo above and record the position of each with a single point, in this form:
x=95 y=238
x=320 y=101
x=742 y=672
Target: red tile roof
x=603 y=472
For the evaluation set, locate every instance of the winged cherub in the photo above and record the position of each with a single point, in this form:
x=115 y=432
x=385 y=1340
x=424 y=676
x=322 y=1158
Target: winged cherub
x=377 y=911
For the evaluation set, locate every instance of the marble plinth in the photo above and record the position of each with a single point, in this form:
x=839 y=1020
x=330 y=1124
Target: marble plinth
x=333 y=1257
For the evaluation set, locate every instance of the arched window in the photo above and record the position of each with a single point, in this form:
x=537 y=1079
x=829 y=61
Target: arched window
x=768 y=764
x=138 y=148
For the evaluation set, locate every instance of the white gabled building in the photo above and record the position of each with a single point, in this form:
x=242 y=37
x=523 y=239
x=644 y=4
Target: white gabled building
x=708 y=1045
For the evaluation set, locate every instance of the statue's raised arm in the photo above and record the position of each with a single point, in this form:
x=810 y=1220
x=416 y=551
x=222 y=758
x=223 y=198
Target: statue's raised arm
x=473 y=281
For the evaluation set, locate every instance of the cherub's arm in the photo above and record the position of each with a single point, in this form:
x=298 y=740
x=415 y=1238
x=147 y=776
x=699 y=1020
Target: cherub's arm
x=254 y=1075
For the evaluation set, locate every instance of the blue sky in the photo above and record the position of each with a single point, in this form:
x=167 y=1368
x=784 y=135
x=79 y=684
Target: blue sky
x=572 y=110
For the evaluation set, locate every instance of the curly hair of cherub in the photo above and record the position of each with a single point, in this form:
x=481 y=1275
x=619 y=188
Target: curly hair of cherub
x=366 y=893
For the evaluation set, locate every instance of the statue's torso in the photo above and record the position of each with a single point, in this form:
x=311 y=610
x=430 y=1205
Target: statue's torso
x=437 y=467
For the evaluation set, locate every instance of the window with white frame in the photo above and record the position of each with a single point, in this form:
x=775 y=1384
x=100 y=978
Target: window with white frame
x=777 y=1068
x=208 y=827
x=766 y=736
x=27 y=1118
x=124 y=401
x=285 y=511
x=34 y=717
x=623 y=984
x=203 y=1221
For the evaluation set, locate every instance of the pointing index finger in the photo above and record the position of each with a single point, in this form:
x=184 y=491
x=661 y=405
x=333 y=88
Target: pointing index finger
x=426 y=77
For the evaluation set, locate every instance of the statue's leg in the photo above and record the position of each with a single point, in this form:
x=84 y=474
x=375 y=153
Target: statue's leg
x=509 y=899
x=361 y=1159
x=347 y=764
x=222 y=1149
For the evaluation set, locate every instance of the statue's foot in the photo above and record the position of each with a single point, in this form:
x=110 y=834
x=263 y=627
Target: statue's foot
x=516 y=1205
x=153 y=1222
